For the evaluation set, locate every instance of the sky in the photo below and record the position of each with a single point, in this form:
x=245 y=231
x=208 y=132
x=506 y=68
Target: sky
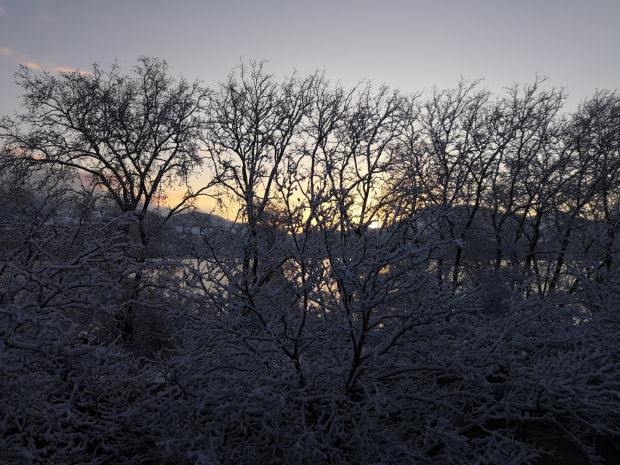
x=411 y=45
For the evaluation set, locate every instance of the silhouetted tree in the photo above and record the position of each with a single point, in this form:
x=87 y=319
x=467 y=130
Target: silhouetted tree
x=407 y=278
x=132 y=137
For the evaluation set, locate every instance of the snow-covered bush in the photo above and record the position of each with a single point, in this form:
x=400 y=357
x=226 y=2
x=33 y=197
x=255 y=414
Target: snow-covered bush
x=403 y=279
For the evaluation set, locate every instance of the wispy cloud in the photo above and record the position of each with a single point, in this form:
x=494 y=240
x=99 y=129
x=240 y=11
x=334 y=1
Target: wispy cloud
x=44 y=17
x=23 y=60
x=31 y=64
x=1 y=10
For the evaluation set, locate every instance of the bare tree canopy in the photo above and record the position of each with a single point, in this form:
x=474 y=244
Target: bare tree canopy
x=131 y=136
x=426 y=278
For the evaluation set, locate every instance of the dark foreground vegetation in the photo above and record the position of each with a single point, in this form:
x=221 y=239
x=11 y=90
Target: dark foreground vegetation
x=427 y=278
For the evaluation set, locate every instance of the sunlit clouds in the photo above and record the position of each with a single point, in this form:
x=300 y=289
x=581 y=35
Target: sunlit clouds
x=23 y=60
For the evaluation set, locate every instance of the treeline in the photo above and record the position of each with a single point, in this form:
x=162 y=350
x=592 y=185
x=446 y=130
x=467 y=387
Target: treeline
x=407 y=278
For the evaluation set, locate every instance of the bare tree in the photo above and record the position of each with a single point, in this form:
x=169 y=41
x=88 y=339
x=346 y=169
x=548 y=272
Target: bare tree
x=128 y=137
x=132 y=137
x=344 y=316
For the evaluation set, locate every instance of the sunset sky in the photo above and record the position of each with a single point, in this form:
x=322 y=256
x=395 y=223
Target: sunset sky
x=412 y=45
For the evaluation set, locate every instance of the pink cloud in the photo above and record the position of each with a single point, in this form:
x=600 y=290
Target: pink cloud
x=31 y=64
x=1 y=10
x=23 y=60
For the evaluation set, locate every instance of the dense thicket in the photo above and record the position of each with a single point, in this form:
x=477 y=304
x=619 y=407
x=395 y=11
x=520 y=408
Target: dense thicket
x=407 y=279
